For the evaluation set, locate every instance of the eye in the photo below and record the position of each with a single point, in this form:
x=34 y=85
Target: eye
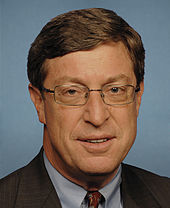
x=71 y=91
x=115 y=89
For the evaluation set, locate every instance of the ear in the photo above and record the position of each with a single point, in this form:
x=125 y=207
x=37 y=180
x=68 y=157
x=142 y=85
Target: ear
x=139 y=97
x=38 y=101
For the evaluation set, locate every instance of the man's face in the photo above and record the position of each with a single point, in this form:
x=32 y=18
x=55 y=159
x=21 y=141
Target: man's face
x=68 y=129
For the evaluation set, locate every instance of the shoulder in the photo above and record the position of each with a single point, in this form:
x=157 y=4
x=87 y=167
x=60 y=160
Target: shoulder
x=11 y=185
x=14 y=178
x=146 y=176
x=146 y=183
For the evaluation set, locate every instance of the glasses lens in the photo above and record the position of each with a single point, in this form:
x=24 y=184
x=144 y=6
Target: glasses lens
x=71 y=94
x=118 y=95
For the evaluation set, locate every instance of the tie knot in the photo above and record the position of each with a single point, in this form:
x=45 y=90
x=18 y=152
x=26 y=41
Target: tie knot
x=93 y=199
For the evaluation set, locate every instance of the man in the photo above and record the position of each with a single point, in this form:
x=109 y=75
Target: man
x=86 y=71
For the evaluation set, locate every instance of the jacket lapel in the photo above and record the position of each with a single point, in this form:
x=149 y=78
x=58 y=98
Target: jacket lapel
x=134 y=192
x=52 y=201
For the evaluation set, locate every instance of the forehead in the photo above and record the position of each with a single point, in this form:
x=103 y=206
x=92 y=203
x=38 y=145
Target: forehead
x=106 y=63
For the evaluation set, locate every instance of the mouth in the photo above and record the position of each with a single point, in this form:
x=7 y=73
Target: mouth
x=96 y=141
x=97 y=145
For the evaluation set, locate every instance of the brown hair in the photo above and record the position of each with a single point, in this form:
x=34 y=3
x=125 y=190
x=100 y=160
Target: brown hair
x=82 y=30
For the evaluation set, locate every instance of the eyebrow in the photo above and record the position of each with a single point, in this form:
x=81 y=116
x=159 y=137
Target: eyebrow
x=119 y=78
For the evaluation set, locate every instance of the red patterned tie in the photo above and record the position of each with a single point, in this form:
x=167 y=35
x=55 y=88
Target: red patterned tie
x=93 y=199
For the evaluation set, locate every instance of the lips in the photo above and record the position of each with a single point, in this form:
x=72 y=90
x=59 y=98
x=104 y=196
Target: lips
x=95 y=140
x=96 y=144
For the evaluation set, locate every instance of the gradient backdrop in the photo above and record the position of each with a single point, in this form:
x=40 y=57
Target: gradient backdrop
x=20 y=130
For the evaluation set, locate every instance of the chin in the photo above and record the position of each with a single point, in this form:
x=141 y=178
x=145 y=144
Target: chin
x=99 y=171
x=102 y=165
x=97 y=179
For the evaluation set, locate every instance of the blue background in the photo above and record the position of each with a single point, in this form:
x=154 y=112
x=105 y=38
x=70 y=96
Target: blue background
x=20 y=131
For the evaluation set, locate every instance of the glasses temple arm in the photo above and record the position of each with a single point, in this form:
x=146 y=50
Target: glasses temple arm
x=47 y=90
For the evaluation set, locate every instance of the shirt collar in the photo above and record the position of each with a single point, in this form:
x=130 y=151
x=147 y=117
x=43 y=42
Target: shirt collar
x=111 y=191
x=64 y=187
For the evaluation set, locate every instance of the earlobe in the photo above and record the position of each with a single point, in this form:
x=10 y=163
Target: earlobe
x=38 y=102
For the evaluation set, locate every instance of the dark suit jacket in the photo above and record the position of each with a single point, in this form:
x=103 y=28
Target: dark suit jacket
x=31 y=187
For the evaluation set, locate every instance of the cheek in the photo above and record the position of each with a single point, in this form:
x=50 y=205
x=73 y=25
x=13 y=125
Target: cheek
x=130 y=116
x=68 y=119
x=126 y=120
x=62 y=122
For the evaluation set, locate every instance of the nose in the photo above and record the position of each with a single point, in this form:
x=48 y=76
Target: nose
x=96 y=111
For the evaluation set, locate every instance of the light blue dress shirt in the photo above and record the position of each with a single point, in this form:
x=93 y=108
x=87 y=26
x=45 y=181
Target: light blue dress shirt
x=73 y=195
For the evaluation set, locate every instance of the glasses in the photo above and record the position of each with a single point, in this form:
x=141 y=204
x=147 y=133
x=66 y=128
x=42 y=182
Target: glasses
x=77 y=95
